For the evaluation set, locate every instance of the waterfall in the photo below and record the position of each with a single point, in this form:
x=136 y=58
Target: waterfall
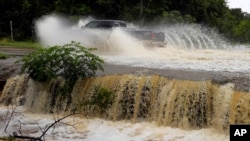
x=168 y=102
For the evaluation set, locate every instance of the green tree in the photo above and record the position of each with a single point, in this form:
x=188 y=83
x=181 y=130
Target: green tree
x=10 y=11
x=242 y=31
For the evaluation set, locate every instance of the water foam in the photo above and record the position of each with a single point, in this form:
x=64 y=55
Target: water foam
x=153 y=107
x=98 y=129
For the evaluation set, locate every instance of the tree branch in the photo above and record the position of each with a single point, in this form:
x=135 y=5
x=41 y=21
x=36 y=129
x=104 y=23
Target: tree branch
x=15 y=135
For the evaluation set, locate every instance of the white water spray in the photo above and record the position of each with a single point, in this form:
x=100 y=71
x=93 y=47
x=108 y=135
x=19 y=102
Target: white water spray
x=192 y=36
x=188 y=46
x=55 y=30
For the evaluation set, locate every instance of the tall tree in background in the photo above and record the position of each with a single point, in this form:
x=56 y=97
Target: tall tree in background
x=242 y=30
x=10 y=11
x=213 y=13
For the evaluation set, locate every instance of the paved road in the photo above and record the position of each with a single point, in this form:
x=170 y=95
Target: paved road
x=15 y=51
x=241 y=80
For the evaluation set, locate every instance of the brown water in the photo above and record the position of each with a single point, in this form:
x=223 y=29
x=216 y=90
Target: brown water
x=175 y=103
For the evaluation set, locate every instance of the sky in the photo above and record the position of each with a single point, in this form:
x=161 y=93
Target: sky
x=243 y=4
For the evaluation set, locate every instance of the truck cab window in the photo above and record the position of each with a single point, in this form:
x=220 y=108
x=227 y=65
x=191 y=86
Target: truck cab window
x=123 y=24
x=116 y=24
x=92 y=24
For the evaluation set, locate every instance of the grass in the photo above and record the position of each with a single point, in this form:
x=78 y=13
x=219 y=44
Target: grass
x=3 y=56
x=6 y=42
x=19 y=44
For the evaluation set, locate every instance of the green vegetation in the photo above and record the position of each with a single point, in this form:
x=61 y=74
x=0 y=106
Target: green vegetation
x=212 y=13
x=20 y=44
x=71 y=61
x=10 y=138
x=102 y=98
x=3 y=56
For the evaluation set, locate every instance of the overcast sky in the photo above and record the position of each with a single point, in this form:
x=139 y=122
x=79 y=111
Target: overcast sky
x=243 y=4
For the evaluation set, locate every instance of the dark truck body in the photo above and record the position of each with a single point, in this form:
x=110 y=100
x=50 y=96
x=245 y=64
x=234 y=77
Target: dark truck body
x=147 y=36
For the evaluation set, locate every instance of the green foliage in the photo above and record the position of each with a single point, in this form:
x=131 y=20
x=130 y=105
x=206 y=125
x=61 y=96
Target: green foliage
x=243 y=30
x=5 y=40
x=20 y=44
x=176 y=17
x=212 y=13
x=9 y=138
x=102 y=98
x=70 y=61
x=3 y=56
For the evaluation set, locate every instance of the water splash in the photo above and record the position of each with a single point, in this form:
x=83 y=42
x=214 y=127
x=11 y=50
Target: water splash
x=192 y=36
x=188 y=46
x=55 y=30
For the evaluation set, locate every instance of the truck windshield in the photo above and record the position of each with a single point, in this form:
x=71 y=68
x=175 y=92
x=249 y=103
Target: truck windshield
x=99 y=24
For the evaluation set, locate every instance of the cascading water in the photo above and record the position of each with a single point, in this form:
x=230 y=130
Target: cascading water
x=176 y=103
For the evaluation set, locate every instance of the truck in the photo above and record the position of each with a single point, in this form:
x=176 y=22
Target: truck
x=148 y=37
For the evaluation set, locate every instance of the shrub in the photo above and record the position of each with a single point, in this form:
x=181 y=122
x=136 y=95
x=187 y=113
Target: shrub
x=102 y=99
x=70 y=61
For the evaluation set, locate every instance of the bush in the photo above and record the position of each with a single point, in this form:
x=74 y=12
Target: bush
x=102 y=99
x=70 y=61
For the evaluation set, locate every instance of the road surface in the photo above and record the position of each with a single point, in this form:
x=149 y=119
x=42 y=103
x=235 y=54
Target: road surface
x=8 y=68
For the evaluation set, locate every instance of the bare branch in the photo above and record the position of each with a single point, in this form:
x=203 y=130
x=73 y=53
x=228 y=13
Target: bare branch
x=47 y=127
x=11 y=116
x=20 y=128
x=40 y=127
x=54 y=123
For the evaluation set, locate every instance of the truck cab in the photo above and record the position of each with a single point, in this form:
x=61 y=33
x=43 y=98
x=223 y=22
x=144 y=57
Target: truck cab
x=148 y=36
x=105 y=24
